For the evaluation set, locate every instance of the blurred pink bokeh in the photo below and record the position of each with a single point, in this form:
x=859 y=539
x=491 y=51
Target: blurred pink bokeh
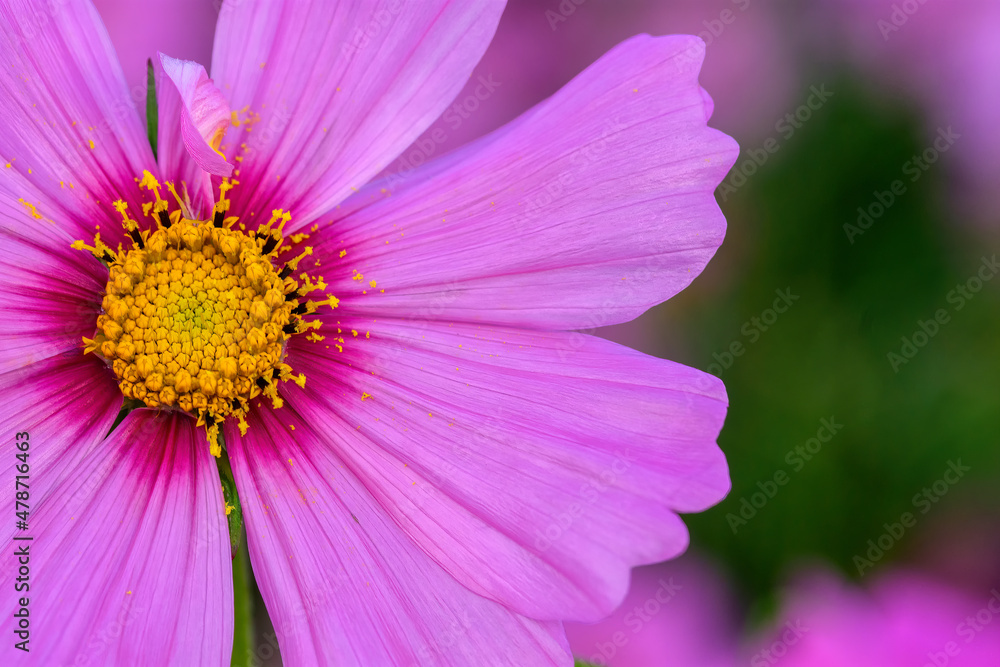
x=944 y=55
x=903 y=620
x=179 y=28
x=679 y=614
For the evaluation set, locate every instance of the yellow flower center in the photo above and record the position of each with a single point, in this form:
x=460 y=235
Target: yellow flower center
x=196 y=316
x=195 y=319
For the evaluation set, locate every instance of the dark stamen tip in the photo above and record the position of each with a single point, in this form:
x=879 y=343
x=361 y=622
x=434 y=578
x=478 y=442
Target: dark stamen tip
x=165 y=220
x=262 y=383
x=270 y=244
x=219 y=218
x=285 y=272
x=299 y=309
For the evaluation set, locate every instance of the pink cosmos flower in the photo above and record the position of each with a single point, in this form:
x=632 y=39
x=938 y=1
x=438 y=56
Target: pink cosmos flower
x=678 y=614
x=904 y=620
x=433 y=468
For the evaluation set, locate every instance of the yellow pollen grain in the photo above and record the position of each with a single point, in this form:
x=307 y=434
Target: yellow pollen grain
x=31 y=209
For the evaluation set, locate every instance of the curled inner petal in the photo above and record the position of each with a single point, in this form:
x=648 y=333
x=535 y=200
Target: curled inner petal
x=205 y=114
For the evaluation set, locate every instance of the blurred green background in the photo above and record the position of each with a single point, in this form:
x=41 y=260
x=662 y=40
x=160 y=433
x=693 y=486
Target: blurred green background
x=828 y=355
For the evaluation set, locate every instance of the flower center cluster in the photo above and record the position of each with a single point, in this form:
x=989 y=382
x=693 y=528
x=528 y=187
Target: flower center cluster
x=196 y=316
x=194 y=320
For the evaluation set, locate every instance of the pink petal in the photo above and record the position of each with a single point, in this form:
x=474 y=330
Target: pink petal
x=130 y=559
x=67 y=403
x=50 y=294
x=342 y=583
x=69 y=129
x=536 y=468
x=586 y=211
x=204 y=115
x=902 y=619
x=336 y=89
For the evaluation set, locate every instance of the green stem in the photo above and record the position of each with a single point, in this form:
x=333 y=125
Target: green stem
x=152 y=112
x=243 y=583
x=243 y=636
